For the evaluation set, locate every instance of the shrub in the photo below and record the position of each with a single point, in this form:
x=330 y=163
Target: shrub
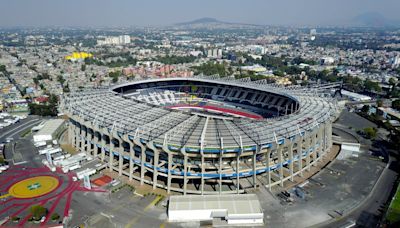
x=55 y=216
x=38 y=212
x=15 y=219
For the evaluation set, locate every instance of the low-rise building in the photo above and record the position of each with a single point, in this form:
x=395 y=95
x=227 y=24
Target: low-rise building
x=241 y=210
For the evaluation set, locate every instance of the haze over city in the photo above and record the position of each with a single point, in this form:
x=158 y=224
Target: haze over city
x=104 y=13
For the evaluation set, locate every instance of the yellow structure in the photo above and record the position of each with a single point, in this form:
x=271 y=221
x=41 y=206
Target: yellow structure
x=33 y=187
x=78 y=55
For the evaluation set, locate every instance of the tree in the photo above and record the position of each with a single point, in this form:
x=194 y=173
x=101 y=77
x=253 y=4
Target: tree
x=38 y=212
x=379 y=103
x=15 y=218
x=60 y=79
x=392 y=82
x=36 y=81
x=365 y=108
x=49 y=109
x=396 y=104
x=55 y=216
x=372 y=86
x=370 y=132
x=3 y=68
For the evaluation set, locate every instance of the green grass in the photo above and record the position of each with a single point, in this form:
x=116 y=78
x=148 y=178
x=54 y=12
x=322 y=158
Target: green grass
x=26 y=132
x=393 y=213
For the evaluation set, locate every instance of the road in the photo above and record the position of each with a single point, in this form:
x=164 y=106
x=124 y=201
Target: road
x=369 y=212
x=15 y=131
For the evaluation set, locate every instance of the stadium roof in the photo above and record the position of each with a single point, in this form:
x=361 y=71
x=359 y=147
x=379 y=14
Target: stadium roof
x=151 y=123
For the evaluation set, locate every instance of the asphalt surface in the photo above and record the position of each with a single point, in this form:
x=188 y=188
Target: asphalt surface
x=352 y=189
x=17 y=151
x=369 y=212
x=92 y=209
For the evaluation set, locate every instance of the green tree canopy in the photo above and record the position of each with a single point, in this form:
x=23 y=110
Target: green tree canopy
x=396 y=104
x=38 y=211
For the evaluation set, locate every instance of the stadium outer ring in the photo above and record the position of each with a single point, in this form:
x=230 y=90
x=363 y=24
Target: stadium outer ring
x=284 y=158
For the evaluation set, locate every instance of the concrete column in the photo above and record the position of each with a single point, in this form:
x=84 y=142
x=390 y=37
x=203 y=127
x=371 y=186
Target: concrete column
x=103 y=145
x=255 y=167
x=308 y=156
x=291 y=164
x=121 y=157
x=280 y=160
x=70 y=132
x=111 y=158
x=95 y=146
x=131 y=157
x=314 y=146
x=73 y=135
x=77 y=138
x=142 y=166
x=329 y=135
x=300 y=155
x=320 y=141
x=269 y=168
x=185 y=158
x=324 y=140
x=202 y=173
x=155 y=166
x=169 y=172
x=83 y=141
x=220 y=171
x=237 y=173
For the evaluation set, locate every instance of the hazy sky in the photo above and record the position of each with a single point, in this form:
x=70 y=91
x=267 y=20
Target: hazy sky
x=164 y=12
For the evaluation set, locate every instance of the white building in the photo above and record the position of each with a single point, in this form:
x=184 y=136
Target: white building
x=115 y=40
x=355 y=96
x=124 y=39
x=327 y=60
x=49 y=130
x=244 y=209
x=214 y=53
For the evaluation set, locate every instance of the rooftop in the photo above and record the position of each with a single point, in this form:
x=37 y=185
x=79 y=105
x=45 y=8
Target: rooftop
x=234 y=204
x=50 y=127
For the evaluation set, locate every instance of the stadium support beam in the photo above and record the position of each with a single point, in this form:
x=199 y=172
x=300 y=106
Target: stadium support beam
x=78 y=138
x=314 y=146
x=220 y=165
x=136 y=140
x=74 y=135
x=320 y=141
x=202 y=137
x=84 y=147
x=185 y=160
x=308 y=154
x=111 y=157
x=237 y=165
x=255 y=166
x=169 y=172
x=132 y=155
x=103 y=145
x=291 y=164
x=95 y=144
x=156 y=153
x=121 y=157
x=300 y=155
x=269 y=168
x=71 y=133
x=280 y=160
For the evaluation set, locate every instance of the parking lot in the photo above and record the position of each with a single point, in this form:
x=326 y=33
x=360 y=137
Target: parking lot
x=114 y=206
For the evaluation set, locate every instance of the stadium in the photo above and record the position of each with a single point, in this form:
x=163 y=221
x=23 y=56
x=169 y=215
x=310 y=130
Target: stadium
x=203 y=135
